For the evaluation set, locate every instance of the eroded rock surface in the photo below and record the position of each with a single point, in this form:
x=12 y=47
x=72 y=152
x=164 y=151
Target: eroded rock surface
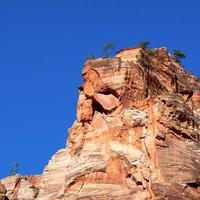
x=2 y=192
x=21 y=187
x=136 y=136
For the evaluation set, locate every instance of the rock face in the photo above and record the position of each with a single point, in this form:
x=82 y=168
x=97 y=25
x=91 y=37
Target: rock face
x=136 y=136
x=21 y=187
x=2 y=192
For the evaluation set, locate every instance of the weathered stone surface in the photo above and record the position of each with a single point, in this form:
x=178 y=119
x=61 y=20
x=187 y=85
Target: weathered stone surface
x=136 y=137
x=21 y=187
x=128 y=54
x=107 y=102
x=84 y=109
x=2 y=192
x=147 y=145
x=2 y=189
x=53 y=177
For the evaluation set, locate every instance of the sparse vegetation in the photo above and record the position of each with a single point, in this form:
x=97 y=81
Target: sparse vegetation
x=189 y=72
x=107 y=49
x=14 y=167
x=144 y=44
x=152 y=52
x=91 y=57
x=178 y=55
x=145 y=60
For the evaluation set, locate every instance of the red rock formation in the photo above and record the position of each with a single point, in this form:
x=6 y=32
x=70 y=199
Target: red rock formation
x=21 y=187
x=136 y=136
x=2 y=192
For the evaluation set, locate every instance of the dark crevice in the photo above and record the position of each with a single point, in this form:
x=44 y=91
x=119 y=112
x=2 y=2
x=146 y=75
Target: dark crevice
x=190 y=94
x=119 y=65
x=176 y=84
x=80 y=88
x=97 y=107
x=194 y=185
x=182 y=117
x=139 y=182
x=164 y=145
x=129 y=175
x=181 y=133
x=108 y=91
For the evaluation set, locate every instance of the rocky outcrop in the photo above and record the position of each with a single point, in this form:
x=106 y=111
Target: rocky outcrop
x=53 y=177
x=2 y=192
x=136 y=135
x=21 y=187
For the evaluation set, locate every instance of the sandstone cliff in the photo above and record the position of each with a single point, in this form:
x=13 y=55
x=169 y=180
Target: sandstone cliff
x=136 y=136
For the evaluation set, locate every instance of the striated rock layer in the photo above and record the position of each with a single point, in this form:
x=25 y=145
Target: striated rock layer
x=136 y=136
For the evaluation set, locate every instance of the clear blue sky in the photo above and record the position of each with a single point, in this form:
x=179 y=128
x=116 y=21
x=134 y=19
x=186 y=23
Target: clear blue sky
x=43 y=45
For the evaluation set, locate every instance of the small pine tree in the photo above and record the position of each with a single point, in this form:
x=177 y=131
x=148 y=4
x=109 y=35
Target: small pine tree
x=107 y=49
x=144 y=44
x=14 y=167
x=178 y=55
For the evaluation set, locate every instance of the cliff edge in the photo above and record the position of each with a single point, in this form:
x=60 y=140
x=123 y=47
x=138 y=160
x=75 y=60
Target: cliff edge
x=136 y=136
